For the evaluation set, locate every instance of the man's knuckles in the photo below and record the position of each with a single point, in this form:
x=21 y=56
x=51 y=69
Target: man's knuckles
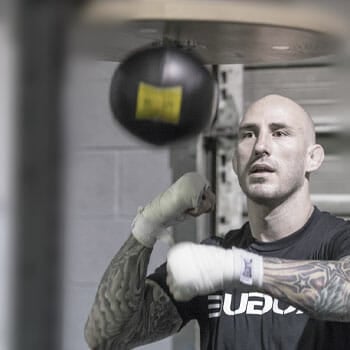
x=189 y=189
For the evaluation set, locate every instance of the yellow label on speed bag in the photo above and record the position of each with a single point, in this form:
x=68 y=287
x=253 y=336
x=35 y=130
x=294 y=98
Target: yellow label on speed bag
x=162 y=104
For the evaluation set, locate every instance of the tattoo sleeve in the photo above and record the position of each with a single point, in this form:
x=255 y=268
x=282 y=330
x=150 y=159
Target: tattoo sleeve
x=129 y=310
x=321 y=288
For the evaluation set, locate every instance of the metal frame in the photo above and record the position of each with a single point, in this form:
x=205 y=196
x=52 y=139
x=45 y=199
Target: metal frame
x=215 y=150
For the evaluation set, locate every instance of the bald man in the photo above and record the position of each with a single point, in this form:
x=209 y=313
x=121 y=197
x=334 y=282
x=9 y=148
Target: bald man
x=282 y=281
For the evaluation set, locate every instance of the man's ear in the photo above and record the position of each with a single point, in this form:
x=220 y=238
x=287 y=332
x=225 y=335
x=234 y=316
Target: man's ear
x=315 y=158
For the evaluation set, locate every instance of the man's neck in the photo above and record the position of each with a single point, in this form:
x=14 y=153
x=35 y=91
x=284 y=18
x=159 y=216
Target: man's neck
x=271 y=223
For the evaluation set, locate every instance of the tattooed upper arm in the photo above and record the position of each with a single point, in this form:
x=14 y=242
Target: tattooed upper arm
x=158 y=318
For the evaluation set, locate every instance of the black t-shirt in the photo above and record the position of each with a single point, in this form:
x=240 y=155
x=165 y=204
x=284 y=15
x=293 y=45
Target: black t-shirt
x=240 y=319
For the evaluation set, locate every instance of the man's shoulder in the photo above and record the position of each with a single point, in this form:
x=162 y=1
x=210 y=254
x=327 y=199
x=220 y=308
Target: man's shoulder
x=331 y=223
x=333 y=233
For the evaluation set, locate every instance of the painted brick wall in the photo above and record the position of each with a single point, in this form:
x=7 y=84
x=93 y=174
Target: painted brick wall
x=109 y=174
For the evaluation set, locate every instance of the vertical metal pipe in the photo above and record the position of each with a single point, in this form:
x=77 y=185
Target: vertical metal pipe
x=41 y=29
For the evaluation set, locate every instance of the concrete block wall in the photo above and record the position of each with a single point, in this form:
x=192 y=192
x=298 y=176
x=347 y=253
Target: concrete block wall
x=108 y=175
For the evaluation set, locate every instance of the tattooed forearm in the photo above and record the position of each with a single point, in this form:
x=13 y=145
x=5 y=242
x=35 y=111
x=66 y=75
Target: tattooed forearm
x=321 y=288
x=128 y=309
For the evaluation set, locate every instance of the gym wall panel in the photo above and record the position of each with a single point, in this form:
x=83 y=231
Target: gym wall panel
x=308 y=86
x=148 y=171
x=301 y=75
x=332 y=178
x=90 y=122
x=93 y=184
x=93 y=243
x=90 y=250
x=108 y=175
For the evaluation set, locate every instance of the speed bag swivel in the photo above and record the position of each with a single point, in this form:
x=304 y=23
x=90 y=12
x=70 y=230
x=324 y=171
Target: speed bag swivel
x=163 y=95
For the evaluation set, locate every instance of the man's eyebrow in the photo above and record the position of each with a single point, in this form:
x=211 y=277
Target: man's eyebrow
x=276 y=126
x=248 y=126
x=272 y=126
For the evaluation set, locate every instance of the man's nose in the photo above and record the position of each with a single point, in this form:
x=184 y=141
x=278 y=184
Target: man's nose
x=262 y=145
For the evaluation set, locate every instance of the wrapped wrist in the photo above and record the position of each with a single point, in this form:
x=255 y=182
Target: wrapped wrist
x=248 y=267
x=144 y=230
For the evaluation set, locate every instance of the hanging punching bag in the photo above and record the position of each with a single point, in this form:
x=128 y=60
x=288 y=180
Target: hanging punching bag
x=162 y=95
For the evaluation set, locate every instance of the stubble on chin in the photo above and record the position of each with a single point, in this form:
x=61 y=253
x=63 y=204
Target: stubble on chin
x=261 y=193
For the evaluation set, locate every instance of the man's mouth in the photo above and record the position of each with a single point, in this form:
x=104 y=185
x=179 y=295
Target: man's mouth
x=260 y=169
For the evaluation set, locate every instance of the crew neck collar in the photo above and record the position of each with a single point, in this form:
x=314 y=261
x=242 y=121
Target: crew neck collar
x=283 y=242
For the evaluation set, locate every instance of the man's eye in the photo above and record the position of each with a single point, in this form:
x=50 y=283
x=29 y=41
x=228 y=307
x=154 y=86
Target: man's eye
x=247 y=135
x=279 y=133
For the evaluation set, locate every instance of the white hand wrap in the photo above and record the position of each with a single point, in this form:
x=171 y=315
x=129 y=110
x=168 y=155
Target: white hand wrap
x=168 y=208
x=248 y=267
x=195 y=269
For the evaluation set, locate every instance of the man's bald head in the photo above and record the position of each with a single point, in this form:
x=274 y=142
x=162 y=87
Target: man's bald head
x=276 y=150
x=280 y=105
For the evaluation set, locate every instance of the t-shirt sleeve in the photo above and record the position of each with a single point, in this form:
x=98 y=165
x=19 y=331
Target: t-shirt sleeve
x=187 y=310
x=340 y=245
